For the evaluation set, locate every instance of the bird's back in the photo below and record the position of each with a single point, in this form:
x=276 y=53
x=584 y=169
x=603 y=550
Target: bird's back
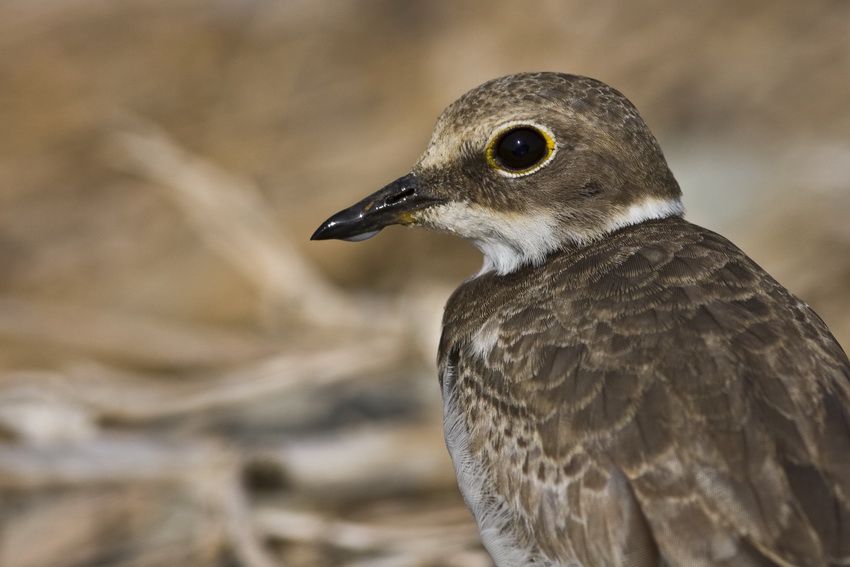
x=652 y=398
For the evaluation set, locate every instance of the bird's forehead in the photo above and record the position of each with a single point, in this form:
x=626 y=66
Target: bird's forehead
x=474 y=117
x=457 y=130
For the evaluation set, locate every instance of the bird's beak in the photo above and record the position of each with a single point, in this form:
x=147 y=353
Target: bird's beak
x=394 y=204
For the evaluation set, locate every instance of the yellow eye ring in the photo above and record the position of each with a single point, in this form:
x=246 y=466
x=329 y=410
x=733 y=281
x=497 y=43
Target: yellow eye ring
x=518 y=148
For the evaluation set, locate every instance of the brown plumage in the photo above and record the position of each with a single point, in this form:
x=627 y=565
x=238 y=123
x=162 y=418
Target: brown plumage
x=621 y=387
x=656 y=395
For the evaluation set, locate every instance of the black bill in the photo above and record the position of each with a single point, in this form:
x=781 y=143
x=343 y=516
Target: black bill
x=391 y=205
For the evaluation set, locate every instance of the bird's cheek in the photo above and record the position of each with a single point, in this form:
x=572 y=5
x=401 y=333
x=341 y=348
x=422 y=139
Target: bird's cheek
x=428 y=218
x=408 y=219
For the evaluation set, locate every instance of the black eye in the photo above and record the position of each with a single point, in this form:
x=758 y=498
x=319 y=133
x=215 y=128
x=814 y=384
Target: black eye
x=520 y=149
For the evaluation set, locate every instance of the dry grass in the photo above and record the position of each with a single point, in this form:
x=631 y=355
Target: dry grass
x=185 y=380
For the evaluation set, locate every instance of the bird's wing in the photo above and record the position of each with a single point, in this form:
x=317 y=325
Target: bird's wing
x=669 y=401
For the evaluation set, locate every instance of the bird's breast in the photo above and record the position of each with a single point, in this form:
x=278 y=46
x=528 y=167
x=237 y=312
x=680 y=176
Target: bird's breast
x=496 y=520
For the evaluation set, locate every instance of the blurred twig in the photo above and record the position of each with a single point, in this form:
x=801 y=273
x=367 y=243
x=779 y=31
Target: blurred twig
x=230 y=214
x=205 y=469
x=122 y=396
x=108 y=459
x=137 y=337
x=366 y=462
x=423 y=533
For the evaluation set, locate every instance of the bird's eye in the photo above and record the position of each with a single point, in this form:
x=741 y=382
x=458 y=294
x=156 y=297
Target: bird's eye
x=520 y=150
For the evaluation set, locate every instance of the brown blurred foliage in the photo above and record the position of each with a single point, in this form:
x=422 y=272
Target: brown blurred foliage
x=186 y=380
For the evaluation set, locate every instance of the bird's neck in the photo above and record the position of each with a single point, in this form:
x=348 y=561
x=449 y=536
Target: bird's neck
x=530 y=239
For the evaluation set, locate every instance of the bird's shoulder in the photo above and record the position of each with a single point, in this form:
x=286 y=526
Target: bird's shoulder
x=664 y=370
x=666 y=282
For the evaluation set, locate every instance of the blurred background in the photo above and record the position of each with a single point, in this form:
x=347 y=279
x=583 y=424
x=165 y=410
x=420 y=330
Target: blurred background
x=185 y=379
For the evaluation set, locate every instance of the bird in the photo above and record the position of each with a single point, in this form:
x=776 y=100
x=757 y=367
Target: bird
x=620 y=386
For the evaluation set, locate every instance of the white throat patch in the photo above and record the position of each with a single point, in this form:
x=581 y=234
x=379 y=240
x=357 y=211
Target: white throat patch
x=507 y=240
x=512 y=240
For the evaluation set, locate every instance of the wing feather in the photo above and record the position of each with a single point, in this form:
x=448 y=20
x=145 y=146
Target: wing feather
x=666 y=401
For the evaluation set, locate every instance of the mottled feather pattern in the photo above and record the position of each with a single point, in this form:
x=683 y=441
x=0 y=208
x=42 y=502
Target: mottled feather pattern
x=655 y=398
x=621 y=387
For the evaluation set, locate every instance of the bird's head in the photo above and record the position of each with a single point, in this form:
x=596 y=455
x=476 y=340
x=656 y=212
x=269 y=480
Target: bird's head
x=524 y=165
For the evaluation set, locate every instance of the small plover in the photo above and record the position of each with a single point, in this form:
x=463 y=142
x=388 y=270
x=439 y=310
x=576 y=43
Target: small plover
x=620 y=386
